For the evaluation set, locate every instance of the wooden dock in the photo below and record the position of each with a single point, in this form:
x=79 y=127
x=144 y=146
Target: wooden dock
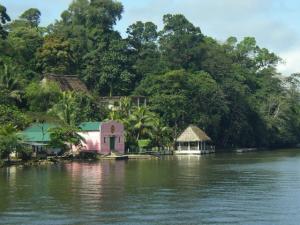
x=115 y=157
x=141 y=156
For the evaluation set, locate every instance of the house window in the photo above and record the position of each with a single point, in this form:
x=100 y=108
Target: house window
x=119 y=139
x=104 y=139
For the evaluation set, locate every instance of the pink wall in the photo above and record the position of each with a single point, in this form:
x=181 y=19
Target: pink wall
x=94 y=140
x=112 y=129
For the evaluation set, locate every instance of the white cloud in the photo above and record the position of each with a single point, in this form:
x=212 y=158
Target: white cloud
x=291 y=62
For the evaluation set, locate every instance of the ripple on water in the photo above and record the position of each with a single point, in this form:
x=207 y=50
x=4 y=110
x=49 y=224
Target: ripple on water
x=255 y=188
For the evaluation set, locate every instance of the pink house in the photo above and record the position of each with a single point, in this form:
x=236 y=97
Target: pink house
x=103 y=137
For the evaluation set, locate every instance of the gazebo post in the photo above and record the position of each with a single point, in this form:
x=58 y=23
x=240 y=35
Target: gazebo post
x=198 y=146
x=189 y=146
x=179 y=145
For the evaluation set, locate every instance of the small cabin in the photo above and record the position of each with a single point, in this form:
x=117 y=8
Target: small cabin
x=98 y=137
x=193 y=140
x=37 y=136
x=103 y=137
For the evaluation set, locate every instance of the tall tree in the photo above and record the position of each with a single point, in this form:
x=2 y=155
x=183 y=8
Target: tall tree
x=24 y=41
x=55 y=56
x=142 y=40
x=4 y=18
x=180 y=43
x=32 y=16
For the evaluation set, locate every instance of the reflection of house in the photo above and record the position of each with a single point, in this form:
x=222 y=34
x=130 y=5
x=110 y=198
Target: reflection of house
x=103 y=137
x=66 y=82
x=114 y=102
x=193 y=140
x=38 y=137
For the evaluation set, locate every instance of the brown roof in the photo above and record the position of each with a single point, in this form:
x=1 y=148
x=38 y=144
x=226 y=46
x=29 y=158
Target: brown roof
x=67 y=82
x=193 y=133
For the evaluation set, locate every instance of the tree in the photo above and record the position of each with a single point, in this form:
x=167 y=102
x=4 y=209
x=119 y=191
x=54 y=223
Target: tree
x=10 y=141
x=4 y=18
x=65 y=108
x=162 y=135
x=10 y=81
x=180 y=43
x=32 y=16
x=168 y=97
x=42 y=96
x=142 y=40
x=108 y=68
x=55 y=56
x=64 y=137
x=100 y=55
x=13 y=116
x=24 y=41
x=142 y=121
x=207 y=103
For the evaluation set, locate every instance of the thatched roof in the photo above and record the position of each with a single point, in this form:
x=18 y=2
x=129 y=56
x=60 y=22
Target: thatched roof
x=193 y=134
x=67 y=82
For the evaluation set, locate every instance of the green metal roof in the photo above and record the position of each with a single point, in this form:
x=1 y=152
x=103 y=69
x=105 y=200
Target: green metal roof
x=90 y=126
x=38 y=132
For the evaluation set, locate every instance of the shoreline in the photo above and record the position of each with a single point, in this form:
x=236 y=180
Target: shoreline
x=57 y=160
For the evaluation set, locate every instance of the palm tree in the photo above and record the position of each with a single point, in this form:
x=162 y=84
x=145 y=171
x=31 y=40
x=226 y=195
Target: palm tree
x=143 y=122
x=65 y=108
x=162 y=134
x=9 y=82
x=10 y=141
x=125 y=106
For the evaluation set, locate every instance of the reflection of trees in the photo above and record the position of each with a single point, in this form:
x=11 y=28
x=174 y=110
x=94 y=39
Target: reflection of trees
x=115 y=191
x=63 y=189
x=194 y=176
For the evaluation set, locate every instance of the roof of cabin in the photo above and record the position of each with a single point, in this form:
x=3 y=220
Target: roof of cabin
x=193 y=133
x=90 y=126
x=67 y=82
x=38 y=132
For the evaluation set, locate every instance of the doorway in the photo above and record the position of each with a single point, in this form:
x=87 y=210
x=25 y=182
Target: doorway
x=112 y=143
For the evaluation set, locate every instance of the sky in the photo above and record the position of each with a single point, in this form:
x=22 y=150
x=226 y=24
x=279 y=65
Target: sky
x=274 y=23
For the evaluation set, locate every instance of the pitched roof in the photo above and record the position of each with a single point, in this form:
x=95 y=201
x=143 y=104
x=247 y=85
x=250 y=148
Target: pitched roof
x=67 y=82
x=90 y=126
x=193 y=133
x=38 y=132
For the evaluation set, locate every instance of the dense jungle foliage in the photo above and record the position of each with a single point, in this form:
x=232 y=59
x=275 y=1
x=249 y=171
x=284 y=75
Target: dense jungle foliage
x=231 y=89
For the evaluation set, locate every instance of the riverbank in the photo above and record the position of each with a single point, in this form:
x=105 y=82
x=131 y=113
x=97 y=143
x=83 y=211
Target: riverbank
x=56 y=160
x=8 y=163
x=91 y=158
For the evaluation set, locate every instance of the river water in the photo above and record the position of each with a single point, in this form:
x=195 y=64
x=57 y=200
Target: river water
x=250 y=188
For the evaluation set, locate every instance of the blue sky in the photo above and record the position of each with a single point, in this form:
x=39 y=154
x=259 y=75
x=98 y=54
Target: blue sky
x=274 y=23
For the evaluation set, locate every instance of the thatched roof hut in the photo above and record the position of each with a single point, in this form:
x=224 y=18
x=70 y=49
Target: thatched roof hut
x=193 y=140
x=193 y=134
x=67 y=82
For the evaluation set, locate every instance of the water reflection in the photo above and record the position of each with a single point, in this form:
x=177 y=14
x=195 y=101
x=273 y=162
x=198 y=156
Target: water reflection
x=216 y=189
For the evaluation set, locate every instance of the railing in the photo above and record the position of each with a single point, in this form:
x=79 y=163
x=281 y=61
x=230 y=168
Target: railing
x=195 y=148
